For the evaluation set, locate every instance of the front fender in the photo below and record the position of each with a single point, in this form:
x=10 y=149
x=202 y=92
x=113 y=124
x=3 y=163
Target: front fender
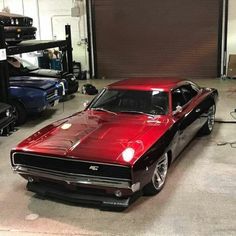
x=31 y=98
x=145 y=165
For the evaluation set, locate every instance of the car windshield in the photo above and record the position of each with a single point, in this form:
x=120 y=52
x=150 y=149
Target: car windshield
x=20 y=64
x=132 y=101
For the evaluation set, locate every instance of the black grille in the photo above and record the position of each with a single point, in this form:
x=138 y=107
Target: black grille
x=51 y=94
x=71 y=166
x=24 y=21
x=5 y=21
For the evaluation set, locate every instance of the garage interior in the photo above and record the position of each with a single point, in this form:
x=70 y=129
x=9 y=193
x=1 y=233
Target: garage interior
x=183 y=38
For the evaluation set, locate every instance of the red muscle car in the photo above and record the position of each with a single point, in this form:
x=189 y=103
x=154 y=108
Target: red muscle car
x=122 y=143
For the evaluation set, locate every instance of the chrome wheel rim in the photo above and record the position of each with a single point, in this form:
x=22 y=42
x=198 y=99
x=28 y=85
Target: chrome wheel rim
x=160 y=172
x=211 y=117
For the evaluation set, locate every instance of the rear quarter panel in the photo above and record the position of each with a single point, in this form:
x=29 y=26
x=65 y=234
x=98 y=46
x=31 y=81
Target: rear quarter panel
x=206 y=100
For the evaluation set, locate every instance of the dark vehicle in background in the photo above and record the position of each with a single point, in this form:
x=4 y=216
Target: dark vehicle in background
x=20 y=67
x=31 y=96
x=7 y=119
x=17 y=27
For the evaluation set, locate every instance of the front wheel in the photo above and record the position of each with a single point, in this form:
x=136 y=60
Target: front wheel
x=208 y=126
x=158 y=177
x=20 y=112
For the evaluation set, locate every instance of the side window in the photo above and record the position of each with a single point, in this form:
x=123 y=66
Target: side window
x=188 y=92
x=177 y=99
x=195 y=87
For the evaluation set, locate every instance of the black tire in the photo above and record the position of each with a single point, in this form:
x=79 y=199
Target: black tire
x=20 y=112
x=158 y=177
x=73 y=89
x=208 y=126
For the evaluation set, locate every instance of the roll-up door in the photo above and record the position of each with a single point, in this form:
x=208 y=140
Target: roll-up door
x=156 y=38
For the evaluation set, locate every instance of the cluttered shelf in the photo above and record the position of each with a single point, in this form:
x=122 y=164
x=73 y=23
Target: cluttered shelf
x=35 y=45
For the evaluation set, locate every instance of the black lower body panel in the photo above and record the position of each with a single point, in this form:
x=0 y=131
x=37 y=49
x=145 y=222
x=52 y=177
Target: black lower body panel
x=7 y=125
x=52 y=190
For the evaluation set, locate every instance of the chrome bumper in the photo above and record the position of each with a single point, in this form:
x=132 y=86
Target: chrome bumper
x=77 y=179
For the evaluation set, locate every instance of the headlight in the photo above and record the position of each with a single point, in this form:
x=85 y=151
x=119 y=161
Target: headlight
x=17 y=21
x=128 y=154
x=12 y=22
x=66 y=126
x=63 y=88
x=8 y=113
x=73 y=78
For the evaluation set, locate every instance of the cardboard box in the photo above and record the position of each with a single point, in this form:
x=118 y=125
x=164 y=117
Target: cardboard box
x=232 y=66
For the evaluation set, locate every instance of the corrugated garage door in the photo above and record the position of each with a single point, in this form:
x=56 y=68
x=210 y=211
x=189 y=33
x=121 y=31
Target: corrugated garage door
x=156 y=37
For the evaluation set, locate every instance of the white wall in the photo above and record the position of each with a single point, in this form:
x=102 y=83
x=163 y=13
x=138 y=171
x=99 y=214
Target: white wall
x=53 y=16
x=232 y=27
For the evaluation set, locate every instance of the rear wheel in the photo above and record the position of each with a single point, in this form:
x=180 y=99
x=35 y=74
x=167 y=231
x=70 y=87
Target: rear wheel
x=208 y=126
x=158 y=177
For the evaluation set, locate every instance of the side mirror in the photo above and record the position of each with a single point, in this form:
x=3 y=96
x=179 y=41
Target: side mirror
x=86 y=103
x=178 y=110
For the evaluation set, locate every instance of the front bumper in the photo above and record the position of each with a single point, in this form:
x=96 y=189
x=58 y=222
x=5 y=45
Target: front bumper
x=72 y=178
x=79 y=188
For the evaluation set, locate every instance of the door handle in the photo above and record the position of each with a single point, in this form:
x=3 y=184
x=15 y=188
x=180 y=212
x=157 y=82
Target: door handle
x=198 y=110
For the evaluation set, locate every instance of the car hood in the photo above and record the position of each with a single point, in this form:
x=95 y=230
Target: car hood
x=32 y=82
x=46 y=73
x=97 y=136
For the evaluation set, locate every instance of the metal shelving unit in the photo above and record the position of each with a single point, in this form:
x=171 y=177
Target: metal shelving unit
x=31 y=46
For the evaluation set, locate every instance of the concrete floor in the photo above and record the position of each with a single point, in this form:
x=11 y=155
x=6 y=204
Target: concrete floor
x=199 y=197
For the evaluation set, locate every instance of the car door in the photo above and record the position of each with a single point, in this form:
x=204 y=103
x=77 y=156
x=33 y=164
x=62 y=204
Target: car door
x=185 y=113
x=193 y=109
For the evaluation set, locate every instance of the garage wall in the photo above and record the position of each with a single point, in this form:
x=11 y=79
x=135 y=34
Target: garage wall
x=156 y=38
x=55 y=7
x=54 y=14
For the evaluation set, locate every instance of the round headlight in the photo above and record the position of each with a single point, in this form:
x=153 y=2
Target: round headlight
x=128 y=154
x=66 y=126
x=17 y=21
x=12 y=21
x=8 y=113
x=73 y=78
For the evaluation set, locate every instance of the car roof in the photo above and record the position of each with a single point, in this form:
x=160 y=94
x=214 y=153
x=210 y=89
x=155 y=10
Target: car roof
x=148 y=83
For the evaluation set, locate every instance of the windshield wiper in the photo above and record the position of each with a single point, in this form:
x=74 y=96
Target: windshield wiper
x=103 y=109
